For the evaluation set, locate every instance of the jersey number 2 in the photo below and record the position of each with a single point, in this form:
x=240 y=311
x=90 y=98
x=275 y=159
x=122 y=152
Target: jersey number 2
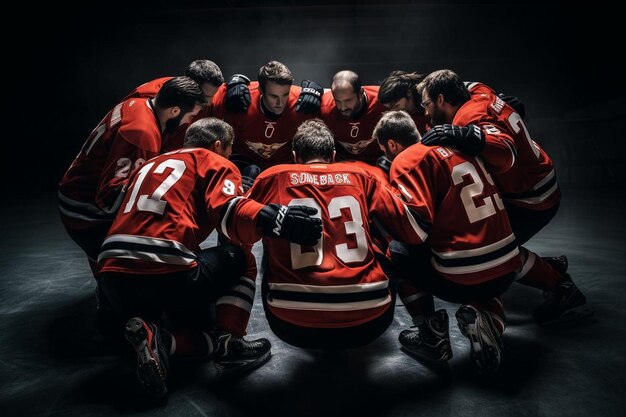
x=473 y=192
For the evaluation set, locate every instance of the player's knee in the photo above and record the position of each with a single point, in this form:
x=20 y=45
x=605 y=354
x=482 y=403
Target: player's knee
x=407 y=259
x=232 y=260
x=222 y=266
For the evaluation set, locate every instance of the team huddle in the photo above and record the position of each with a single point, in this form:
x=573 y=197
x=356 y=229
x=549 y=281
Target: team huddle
x=422 y=187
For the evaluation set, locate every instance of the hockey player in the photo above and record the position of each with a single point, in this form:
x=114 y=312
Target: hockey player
x=351 y=110
x=470 y=255
x=481 y=123
x=151 y=263
x=333 y=294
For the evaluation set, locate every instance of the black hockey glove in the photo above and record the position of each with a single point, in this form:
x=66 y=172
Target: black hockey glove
x=293 y=223
x=248 y=175
x=238 y=94
x=310 y=99
x=516 y=103
x=384 y=163
x=468 y=139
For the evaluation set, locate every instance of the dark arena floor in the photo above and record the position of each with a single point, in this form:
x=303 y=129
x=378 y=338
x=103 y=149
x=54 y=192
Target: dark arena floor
x=51 y=366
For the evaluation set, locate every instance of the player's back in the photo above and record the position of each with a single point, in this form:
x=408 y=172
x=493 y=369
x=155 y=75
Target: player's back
x=134 y=122
x=531 y=181
x=470 y=234
x=215 y=109
x=338 y=282
x=172 y=204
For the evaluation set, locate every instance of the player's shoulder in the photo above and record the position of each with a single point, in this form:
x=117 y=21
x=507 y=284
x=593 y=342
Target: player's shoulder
x=136 y=118
x=477 y=87
x=276 y=170
x=483 y=99
x=328 y=103
x=418 y=154
x=371 y=90
x=157 y=82
x=474 y=110
x=136 y=107
x=294 y=94
x=148 y=89
x=483 y=108
x=218 y=162
x=363 y=168
x=374 y=106
x=220 y=93
x=206 y=157
x=254 y=88
x=137 y=110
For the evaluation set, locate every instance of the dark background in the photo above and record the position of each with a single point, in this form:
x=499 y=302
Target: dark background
x=64 y=69
x=548 y=54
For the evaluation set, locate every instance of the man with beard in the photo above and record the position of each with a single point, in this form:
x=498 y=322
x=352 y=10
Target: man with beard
x=482 y=124
x=401 y=90
x=206 y=73
x=351 y=111
x=92 y=188
x=210 y=79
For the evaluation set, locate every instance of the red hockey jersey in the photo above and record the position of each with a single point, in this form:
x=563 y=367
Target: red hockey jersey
x=530 y=181
x=354 y=136
x=265 y=141
x=176 y=140
x=380 y=237
x=149 y=89
x=338 y=282
x=470 y=235
x=173 y=203
x=218 y=106
x=90 y=190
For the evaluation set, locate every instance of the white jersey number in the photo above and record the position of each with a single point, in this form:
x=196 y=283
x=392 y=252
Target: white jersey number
x=354 y=227
x=471 y=193
x=518 y=125
x=154 y=203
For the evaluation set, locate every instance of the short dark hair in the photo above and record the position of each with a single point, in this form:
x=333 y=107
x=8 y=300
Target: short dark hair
x=397 y=85
x=182 y=92
x=203 y=133
x=204 y=71
x=396 y=125
x=350 y=77
x=448 y=84
x=276 y=72
x=313 y=139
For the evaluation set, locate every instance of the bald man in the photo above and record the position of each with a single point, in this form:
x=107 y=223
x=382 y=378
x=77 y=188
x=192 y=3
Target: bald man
x=351 y=111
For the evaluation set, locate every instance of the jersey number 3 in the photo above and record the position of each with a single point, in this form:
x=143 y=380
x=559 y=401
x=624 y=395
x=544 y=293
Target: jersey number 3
x=301 y=259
